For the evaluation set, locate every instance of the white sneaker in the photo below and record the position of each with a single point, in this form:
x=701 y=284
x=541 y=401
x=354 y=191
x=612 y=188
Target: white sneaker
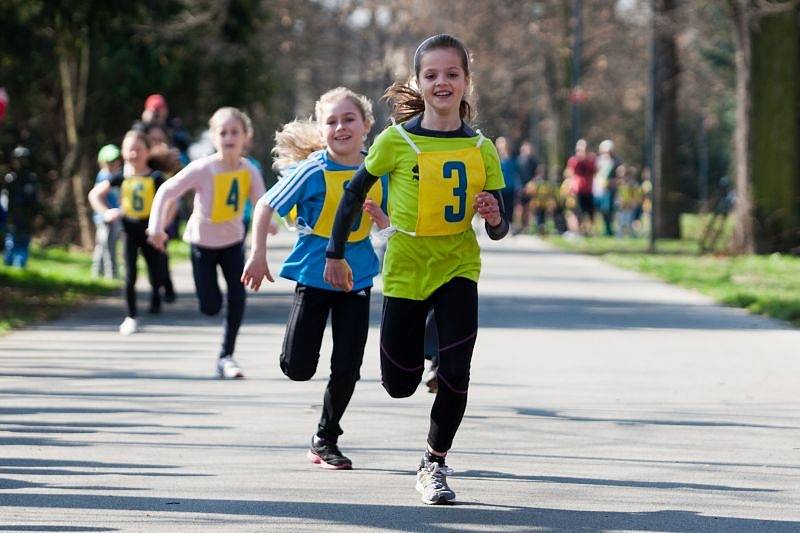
x=128 y=326
x=228 y=368
x=432 y=483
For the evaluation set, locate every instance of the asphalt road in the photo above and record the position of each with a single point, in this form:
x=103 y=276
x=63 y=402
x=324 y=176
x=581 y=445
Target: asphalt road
x=600 y=400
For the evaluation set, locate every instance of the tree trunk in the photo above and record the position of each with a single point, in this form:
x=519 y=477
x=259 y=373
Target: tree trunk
x=667 y=196
x=743 y=228
x=74 y=76
x=775 y=121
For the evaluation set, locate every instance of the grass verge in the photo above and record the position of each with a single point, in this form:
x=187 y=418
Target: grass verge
x=54 y=279
x=766 y=285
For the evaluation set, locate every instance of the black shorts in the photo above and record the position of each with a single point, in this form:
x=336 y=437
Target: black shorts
x=586 y=203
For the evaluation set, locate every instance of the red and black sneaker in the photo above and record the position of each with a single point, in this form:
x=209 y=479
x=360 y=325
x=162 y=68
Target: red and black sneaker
x=326 y=454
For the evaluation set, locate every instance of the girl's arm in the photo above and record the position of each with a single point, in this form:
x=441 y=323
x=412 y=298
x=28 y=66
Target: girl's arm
x=166 y=197
x=337 y=271
x=489 y=205
x=256 y=268
x=98 y=198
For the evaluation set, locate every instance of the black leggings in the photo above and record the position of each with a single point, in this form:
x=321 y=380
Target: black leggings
x=135 y=240
x=455 y=307
x=350 y=324
x=204 y=267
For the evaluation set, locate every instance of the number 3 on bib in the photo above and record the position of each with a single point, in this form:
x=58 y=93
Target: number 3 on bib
x=460 y=191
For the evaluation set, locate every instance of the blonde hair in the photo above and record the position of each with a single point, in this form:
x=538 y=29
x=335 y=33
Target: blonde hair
x=341 y=93
x=296 y=141
x=223 y=113
x=302 y=137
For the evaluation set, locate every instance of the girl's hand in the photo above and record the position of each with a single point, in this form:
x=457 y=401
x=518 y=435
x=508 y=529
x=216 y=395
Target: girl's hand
x=112 y=214
x=486 y=206
x=376 y=214
x=338 y=274
x=158 y=241
x=255 y=270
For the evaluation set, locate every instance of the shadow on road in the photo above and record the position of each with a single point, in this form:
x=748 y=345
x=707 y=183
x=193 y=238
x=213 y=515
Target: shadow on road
x=410 y=518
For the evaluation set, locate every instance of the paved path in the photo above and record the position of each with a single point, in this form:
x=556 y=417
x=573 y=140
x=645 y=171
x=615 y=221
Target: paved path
x=600 y=401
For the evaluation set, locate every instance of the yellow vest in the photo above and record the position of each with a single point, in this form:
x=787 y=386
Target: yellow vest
x=137 y=196
x=335 y=182
x=231 y=190
x=448 y=183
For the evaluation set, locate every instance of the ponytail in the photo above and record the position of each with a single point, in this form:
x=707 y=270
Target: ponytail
x=405 y=102
x=295 y=142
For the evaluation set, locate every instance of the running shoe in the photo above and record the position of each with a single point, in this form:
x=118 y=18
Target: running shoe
x=129 y=326
x=326 y=454
x=227 y=368
x=432 y=483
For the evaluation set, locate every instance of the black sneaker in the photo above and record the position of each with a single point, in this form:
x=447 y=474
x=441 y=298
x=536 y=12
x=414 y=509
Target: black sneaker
x=326 y=454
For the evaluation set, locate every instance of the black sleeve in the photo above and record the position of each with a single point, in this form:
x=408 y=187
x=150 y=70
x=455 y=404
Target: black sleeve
x=355 y=193
x=158 y=178
x=116 y=179
x=498 y=232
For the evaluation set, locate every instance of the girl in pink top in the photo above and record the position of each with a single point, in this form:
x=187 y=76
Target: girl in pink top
x=222 y=183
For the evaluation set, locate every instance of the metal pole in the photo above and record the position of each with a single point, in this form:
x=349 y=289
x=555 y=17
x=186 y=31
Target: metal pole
x=577 y=44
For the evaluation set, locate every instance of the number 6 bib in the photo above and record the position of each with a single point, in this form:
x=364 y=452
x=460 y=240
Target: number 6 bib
x=448 y=183
x=231 y=190
x=137 y=196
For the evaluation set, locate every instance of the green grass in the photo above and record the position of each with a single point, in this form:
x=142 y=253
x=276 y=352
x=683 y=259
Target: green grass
x=766 y=285
x=54 y=279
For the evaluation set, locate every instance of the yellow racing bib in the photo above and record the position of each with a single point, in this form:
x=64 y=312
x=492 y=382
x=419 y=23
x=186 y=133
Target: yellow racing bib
x=448 y=183
x=335 y=182
x=137 y=196
x=231 y=190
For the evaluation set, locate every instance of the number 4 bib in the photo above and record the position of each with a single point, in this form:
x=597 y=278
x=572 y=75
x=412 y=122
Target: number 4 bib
x=231 y=190
x=448 y=183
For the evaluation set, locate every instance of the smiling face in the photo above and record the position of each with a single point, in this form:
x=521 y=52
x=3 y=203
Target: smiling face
x=442 y=80
x=229 y=137
x=343 y=128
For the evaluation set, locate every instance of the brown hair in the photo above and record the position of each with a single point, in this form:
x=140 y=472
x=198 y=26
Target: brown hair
x=300 y=138
x=405 y=99
x=139 y=135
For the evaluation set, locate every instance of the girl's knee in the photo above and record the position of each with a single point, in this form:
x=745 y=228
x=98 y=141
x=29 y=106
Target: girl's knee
x=297 y=373
x=210 y=308
x=400 y=389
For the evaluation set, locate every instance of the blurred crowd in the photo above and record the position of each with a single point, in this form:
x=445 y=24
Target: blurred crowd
x=596 y=193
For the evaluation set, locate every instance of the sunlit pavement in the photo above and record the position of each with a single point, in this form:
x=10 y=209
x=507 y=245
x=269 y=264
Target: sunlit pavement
x=600 y=400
